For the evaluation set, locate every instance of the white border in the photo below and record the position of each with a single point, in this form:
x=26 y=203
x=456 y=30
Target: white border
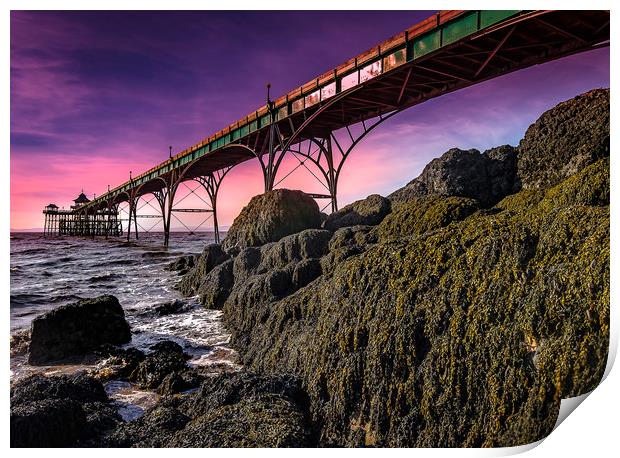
x=590 y=430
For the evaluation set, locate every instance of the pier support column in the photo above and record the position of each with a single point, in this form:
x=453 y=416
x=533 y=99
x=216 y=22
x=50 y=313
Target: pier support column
x=172 y=183
x=133 y=203
x=211 y=184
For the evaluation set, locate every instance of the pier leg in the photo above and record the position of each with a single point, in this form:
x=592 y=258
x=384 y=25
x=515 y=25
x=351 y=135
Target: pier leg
x=129 y=218
x=172 y=185
x=135 y=218
x=211 y=184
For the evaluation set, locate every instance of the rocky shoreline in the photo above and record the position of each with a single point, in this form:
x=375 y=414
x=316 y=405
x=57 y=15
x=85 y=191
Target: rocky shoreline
x=457 y=311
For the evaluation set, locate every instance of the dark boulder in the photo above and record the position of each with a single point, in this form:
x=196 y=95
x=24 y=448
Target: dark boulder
x=246 y=410
x=169 y=308
x=167 y=357
x=369 y=211
x=453 y=315
x=305 y=272
x=153 y=429
x=182 y=265
x=486 y=177
x=501 y=170
x=58 y=411
x=247 y=261
x=264 y=421
x=308 y=244
x=38 y=387
x=77 y=329
x=212 y=256
x=47 y=423
x=564 y=140
x=229 y=410
x=216 y=286
x=118 y=363
x=176 y=382
x=269 y=217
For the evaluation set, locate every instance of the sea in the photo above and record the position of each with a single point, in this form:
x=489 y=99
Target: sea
x=47 y=272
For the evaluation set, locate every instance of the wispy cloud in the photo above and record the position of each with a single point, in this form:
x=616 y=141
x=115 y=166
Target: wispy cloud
x=96 y=94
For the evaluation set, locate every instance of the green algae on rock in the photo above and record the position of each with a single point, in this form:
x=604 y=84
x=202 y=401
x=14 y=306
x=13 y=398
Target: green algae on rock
x=270 y=216
x=466 y=335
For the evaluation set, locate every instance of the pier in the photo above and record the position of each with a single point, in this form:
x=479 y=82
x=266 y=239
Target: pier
x=322 y=121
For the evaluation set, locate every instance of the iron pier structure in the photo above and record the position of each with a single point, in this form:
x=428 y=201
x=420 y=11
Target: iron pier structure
x=321 y=122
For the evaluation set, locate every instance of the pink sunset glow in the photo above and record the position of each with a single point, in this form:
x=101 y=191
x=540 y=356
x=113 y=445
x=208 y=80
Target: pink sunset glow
x=89 y=105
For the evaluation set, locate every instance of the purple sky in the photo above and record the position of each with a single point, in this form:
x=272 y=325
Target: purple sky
x=96 y=94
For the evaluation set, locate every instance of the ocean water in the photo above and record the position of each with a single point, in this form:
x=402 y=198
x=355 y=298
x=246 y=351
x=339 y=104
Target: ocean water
x=49 y=272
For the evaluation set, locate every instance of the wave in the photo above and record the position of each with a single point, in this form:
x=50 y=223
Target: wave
x=31 y=251
x=120 y=262
x=104 y=278
x=26 y=299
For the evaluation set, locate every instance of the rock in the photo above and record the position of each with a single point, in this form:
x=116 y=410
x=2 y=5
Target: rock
x=265 y=421
x=246 y=410
x=182 y=265
x=119 y=363
x=77 y=329
x=216 y=286
x=311 y=243
x=453 y=316
x=176 y=382
x=58 y=411
x=280 y=268
x=487 y=177
x=167 y=357
x=418 y=216
x=228 y=389
x=247 y=261
x=305 y=272
x=269 y=217
x=501 y=169
x=564 y=140
x=169 y=308
x=352 y=236
x=167 y=346
x=211 y=256
x=240 y=409
x=153 y=429
x=369 y=211
x=20 y=340
x=47 y=423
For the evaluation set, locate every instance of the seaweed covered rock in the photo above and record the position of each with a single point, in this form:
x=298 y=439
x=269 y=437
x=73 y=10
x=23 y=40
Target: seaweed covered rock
x=167 y=357
x=421 y=215
x=264 y=421
x=77 y=329
x=229 y=410
x=59 y=411
x=565 y=139
x=246 y=410
x=368 y=212
x=269 y=217
x=457 y=328
x=169 y=308
x=212 y=256
x=486 y=177
x=278 y=269
x=47 y=423
x=182 y=265
x=153 y=429
x=118 y=363
x=216 y=286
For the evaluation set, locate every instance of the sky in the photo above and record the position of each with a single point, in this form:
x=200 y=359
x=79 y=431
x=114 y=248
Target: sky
x=97 y=94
